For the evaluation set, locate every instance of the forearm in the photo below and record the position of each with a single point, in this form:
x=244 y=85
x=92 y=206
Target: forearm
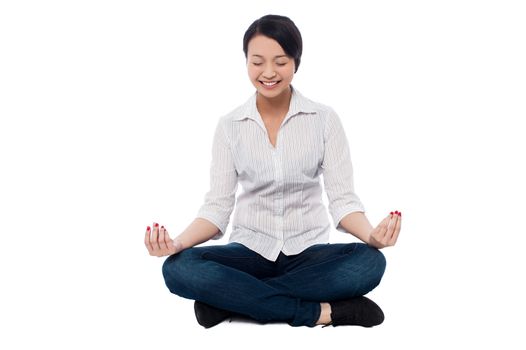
x=199 y=231
x=358 y=225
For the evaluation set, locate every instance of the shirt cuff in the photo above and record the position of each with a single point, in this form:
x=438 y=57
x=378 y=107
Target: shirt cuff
x=343 y=212
x=214 y=220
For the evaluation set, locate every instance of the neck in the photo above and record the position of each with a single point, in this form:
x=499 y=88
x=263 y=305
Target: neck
x=278 y=103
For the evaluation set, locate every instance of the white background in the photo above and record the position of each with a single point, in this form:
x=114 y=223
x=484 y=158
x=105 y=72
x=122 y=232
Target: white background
x=107 y=116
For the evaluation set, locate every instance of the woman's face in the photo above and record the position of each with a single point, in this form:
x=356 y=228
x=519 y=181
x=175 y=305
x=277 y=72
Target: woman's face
x=269 y=68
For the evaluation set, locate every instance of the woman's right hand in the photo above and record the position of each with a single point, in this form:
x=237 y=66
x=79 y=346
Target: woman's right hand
x=159 y=243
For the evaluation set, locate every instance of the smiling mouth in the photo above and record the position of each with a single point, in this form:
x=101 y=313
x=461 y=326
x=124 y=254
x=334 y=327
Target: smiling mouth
x=269 y=83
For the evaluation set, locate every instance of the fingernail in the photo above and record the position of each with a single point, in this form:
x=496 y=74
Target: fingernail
x=391 y=213
x=156 y=225
x=162 y=226
x=400 y=214
x=396 y=212
x=148 y=228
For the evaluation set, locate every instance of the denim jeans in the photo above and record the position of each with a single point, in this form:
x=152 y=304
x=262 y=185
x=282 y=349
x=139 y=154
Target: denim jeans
x=235 y=278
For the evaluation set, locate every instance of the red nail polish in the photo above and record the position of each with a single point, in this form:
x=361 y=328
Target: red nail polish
x=391 y=213
x=156 y=225
x=148 y=228
x=400 y=214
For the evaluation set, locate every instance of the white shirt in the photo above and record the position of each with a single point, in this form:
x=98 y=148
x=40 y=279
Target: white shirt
x=280 y=208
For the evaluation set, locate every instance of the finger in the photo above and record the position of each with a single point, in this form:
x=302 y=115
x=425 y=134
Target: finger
x=383 y=225
x=397 y=230
x=381 y=229
x=162 y=234
x=155 y=236
x=388 y=229
x=169 y=242
x=147 y=240
x=392 y=226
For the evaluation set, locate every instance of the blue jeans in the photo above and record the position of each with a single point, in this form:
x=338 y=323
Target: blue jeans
x=235 y=278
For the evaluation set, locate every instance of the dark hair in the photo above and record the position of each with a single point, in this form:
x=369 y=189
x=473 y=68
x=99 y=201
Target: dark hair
x=281 y=29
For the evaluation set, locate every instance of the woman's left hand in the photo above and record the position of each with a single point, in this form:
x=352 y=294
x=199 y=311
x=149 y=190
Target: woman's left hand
x=386 y=233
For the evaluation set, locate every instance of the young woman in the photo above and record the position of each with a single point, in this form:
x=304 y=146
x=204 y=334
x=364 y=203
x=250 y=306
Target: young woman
x=278 y=265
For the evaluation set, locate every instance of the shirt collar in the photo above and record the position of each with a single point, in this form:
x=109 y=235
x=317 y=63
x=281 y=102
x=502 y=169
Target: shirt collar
x=298 y=104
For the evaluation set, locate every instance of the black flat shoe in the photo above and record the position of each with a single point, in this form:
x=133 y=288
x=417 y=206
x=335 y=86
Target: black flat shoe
x=358 y=311
x=209 y=316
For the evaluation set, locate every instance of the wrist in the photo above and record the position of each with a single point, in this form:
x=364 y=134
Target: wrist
x=368 y=238
x=178 y=245
x=371 y=241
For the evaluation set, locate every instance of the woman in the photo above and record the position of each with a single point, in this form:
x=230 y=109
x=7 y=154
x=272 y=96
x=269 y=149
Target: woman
x=278 y=265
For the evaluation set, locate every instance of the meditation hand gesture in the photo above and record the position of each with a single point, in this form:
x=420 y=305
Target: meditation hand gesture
x=386 y=233
x=159 y=243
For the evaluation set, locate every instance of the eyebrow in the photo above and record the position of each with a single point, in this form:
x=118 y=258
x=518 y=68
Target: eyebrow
x=279 y=56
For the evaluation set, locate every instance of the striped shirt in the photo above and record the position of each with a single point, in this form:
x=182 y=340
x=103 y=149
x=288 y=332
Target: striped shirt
x=280 y=208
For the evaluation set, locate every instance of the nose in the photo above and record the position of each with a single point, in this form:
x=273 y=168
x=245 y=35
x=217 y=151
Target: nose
x=269 y=72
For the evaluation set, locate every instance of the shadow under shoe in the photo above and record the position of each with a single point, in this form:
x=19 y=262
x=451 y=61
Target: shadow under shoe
x=209 y=316
x=359 y=311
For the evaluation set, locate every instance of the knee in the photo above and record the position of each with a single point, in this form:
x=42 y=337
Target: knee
x=170 y=272
x=377 y=259
x=176 y=271
x=376 y=263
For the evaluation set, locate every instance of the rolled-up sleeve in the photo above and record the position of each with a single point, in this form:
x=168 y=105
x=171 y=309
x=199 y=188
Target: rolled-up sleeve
x=338 y=172
x=219 y=201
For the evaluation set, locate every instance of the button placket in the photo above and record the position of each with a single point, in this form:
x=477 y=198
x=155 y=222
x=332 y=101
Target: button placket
x=278 y=200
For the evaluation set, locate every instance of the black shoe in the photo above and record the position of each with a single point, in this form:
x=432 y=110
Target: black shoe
x=209 y=316
x=358 y=311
